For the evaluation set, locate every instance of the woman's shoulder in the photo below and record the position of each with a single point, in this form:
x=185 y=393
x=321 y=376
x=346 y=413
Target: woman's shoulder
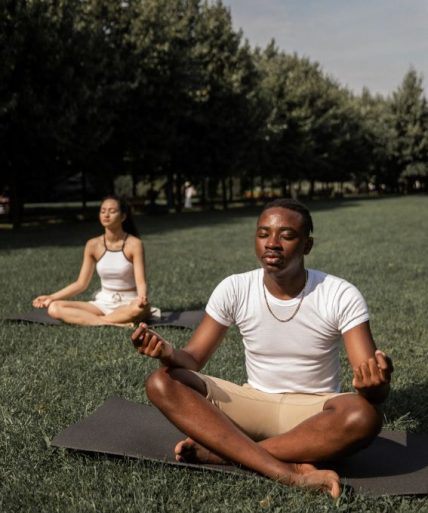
x=133 y=243
x=94 y=243
x=132 y=240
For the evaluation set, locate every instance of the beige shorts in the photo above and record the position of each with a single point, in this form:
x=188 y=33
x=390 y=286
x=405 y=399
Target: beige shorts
x=260 y=414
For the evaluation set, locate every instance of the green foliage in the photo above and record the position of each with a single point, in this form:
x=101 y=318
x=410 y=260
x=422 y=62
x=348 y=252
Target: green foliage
x=410 y=110
x=410 y=123
x=378 y=135
x=167 y=89
x=313 y=131
x=398 y=127
x=52 y=376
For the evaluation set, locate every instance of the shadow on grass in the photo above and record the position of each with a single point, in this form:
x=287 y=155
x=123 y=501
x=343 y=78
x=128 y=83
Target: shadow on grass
x=68 y=231
x=408 y=407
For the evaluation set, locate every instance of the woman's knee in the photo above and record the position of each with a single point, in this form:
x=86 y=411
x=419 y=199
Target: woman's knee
x=55 y=309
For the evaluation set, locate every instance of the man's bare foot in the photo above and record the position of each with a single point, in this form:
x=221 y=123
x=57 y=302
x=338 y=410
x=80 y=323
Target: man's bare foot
x=302 y=475
x=308 y=476
x=191 y=452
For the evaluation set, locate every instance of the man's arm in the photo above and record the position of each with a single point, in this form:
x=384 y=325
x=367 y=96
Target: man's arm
x=372 y=368
x=204 y=341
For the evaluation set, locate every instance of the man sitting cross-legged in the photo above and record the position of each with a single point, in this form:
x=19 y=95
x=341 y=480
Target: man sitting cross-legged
x=290 y=414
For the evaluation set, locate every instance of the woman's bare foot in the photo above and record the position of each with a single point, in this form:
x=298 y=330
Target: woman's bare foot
x=122 y=325
x=118 y=324
x=191 y=452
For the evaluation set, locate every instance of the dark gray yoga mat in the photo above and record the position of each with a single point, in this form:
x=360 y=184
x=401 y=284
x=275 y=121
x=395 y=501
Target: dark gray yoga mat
x=189 y=319
x=39 y=316
x=396 y=463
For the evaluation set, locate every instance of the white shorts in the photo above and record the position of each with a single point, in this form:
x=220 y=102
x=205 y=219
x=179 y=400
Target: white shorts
x=109 y=300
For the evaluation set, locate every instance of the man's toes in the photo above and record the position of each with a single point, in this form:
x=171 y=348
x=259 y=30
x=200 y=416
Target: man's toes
x=332 y=484
x=335 y=490
x=183 y=449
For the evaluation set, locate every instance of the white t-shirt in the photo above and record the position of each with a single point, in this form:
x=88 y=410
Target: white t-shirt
x=301 y=355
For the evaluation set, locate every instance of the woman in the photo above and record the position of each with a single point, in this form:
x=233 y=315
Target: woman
x=118 y=257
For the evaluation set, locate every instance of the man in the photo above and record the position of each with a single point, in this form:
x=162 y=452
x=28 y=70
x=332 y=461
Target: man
x=290 y=414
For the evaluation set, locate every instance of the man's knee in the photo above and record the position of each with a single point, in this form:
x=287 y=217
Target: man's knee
x=361 y=420
x=164 y=383
x=158 y=384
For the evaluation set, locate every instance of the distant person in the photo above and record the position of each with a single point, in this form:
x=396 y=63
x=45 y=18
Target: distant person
x=292 y=320
x=189 y=192
x=118 y=258
x=4 y=202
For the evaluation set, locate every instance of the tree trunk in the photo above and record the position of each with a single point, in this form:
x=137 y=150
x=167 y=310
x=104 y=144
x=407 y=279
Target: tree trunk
x=203 y=195
x=230 y=183
x=284 y=192
x=251 y=188
x=262 y=188
x=311 y=188
x=134 y=181
x=169 y=190
x=16 y=204
x=84 y=189
x=178 y=194
x=224 y=193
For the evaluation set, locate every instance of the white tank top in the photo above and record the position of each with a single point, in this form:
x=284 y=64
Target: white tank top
x=116 y=272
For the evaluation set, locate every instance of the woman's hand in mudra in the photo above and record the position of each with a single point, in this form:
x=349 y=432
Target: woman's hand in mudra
x=42 y=301
x=141 y=301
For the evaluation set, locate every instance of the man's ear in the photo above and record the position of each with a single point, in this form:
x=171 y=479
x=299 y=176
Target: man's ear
x=308 y=245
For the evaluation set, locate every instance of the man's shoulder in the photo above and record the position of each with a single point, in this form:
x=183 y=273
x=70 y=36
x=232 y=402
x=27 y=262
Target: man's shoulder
x=244 y=279
x=331 y=286
x=231 y=296
x=326 y=279
x=238 y=284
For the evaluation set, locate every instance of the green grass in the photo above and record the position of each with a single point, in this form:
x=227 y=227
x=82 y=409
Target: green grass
x=52 y=376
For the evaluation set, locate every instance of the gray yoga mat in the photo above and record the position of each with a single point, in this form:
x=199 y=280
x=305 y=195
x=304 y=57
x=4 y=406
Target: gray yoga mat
x=189 y=319
x=396 y=463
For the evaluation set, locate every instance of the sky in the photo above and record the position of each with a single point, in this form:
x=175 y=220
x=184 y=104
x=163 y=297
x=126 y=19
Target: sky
x=370 y=43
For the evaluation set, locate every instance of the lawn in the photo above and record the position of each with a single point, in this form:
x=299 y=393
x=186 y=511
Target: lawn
x=52 y=376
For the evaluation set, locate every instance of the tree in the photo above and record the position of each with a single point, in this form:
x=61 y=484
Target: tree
x=313 y=130
x=409 y=112
x=378 y=138
x=226 y=113
x=35 y=115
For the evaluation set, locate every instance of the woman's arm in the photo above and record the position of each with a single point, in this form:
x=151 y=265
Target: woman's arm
x=139 y=263
x=78 y=286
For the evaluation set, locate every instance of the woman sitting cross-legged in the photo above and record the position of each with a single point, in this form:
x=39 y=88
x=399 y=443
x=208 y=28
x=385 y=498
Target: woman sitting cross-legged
x=118 y=257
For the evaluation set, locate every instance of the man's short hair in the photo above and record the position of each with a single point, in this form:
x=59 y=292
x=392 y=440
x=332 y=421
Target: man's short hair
x=297 y=206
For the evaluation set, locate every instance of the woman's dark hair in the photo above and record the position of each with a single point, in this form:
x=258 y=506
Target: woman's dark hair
x=297 y=206
x=128 y=224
